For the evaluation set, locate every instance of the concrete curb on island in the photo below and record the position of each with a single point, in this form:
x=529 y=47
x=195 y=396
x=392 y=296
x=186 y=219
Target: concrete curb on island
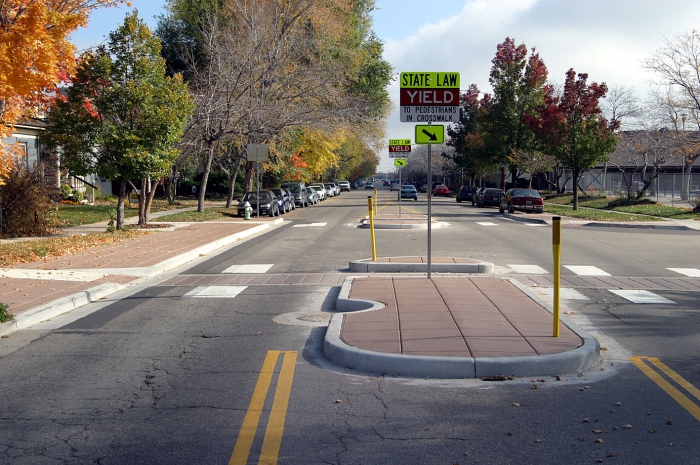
x=71 y=302
x=369 y=266
x=338 y=352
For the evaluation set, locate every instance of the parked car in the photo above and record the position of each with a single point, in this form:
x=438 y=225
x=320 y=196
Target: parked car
x=330 y=189
x=521 y=199
x=353 y=185
x=344 y=186
x=320 y=191
x=465 y=193
x=477 y=194
x=285 y=199
x=423 y=188
x=489 y=197
x=265 y=199
x=369 y=185
x=441 y=189
x=298 y=190
x=312 y=196
x=408 y=191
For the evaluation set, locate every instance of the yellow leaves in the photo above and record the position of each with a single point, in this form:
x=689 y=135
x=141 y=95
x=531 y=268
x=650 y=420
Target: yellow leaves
x=318 y=150
x=34 y=50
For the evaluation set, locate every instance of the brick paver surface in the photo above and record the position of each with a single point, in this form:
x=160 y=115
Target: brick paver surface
x=452 y=317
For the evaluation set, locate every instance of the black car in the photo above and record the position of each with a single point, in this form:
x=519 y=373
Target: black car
x=267 y=200
x=466 y=193
x=489 y=197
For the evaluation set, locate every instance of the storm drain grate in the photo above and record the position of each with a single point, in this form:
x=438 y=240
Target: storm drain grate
x=320 y=318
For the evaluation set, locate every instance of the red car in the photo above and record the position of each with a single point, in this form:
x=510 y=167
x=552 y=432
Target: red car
x=521 y=199
x=441 y=189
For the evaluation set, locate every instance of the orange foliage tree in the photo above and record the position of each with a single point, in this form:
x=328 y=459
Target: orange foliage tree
x=35 y=54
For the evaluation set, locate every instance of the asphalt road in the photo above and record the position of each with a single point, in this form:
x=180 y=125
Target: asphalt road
x=157 y=377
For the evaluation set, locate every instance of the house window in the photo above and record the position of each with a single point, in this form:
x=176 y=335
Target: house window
x=21 y=154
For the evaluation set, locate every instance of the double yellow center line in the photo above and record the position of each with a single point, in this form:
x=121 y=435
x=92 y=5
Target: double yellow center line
x=645 y=364
x=275 y=425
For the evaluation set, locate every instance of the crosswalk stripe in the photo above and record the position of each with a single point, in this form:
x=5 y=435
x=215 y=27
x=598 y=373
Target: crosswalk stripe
x=309 y=225
x=565 y=293
x=586 y=270
x=240 y=269
x=641 y=297
x=226 y=292
x=529 y=269
x=690 y=272
x=486 y=223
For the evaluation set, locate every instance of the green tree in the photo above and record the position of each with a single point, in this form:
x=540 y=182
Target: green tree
x=122 y=116
x=572 y=127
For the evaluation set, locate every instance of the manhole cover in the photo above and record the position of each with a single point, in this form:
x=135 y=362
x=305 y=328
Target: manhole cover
x=321 y=318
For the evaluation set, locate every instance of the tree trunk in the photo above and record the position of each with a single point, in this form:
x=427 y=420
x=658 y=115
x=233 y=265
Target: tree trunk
x=232 y=184
x=169 y=186
x=120 y=204
x=149 y=199
x=249 y=168
x=142 y=201
x=575 y=175
x=205 y=177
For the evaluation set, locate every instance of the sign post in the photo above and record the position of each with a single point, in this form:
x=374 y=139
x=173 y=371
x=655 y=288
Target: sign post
x=400 y=163
x=429 y=135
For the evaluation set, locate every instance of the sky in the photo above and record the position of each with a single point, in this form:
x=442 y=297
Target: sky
x=608 y=39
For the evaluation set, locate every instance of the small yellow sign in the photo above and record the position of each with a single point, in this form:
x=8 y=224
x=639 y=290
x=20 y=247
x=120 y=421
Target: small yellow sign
x=399 y=142
x=399 y=162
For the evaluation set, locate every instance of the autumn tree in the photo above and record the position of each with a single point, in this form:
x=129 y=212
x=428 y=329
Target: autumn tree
x=121 y=117
x=572 y=127
x=35 y=53
x=466 y=137
x=518 y=83
x=272 y=65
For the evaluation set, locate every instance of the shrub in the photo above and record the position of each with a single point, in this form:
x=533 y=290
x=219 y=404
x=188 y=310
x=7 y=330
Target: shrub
x=78 y=196
x=4 y=314
x=66 y=191
x=27 y=209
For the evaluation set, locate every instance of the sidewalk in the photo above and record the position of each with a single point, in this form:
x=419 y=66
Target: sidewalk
x=40 y=290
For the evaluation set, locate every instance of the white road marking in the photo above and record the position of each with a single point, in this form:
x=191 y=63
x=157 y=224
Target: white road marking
x=247 y=269
x=226 y=292
x=528 y=269
x=586 y=270
x=690 y=272
x=486 y=223
x=536 y=224
x=309 y=225
x=641 y=297
x=564 y=293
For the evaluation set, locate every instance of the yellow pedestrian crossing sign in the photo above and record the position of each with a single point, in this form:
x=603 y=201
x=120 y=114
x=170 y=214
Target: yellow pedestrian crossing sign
x=399 y=162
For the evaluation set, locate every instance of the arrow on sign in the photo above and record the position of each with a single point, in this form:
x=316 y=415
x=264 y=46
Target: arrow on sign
x=431 y=135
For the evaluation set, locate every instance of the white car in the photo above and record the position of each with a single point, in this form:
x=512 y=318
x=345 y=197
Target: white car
x=344 y=186
x=320 y=191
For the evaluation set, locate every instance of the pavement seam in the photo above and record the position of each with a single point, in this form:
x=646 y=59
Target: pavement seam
x=398 y=315
x=437 y=289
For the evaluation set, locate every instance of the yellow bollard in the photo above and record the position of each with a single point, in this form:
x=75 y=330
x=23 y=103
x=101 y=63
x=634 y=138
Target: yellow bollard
x=376 y=200
x=556 y=251
x=371 y=228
